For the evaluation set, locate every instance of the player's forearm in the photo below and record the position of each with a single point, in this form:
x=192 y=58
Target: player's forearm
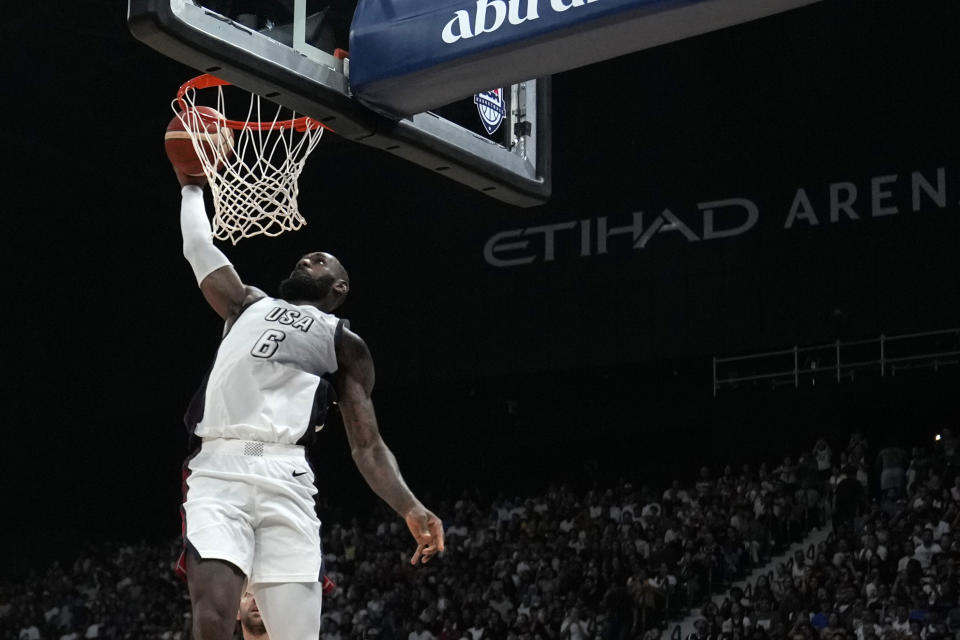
x=198 y=247
x=379 y=468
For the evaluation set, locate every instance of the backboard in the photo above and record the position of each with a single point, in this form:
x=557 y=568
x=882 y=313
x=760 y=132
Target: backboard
x=285 y=51
x=460 y=87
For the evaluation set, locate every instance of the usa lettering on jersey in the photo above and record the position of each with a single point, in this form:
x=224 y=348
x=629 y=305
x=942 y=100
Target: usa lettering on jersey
x=290 y=317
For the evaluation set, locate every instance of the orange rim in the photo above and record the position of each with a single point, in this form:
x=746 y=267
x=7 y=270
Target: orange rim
x=206 y=81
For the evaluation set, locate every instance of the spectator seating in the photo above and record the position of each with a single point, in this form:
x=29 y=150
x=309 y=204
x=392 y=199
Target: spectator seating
x=615 y=562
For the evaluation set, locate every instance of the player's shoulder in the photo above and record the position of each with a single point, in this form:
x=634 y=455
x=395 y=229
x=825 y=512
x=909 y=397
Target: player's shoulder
x=252 y=295
x=350 y=346
x=350 y=337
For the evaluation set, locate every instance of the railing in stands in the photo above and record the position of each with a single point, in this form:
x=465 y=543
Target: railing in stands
x=839 y=360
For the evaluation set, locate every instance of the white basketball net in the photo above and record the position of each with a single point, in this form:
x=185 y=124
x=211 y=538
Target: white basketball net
x=252 y=171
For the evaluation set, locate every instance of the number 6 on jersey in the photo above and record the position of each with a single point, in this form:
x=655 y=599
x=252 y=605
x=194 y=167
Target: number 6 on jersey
x=268 y=343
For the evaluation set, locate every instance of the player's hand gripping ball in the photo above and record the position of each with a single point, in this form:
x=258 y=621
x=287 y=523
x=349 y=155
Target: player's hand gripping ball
x=216 y=140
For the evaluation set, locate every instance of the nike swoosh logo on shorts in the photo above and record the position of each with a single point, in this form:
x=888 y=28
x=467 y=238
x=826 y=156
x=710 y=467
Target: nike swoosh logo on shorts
x=298 y=473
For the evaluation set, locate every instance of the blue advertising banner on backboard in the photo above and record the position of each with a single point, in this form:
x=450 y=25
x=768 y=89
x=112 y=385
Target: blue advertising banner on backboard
x=408 y=56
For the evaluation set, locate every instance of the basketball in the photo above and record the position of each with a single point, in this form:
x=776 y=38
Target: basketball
x=216 y=141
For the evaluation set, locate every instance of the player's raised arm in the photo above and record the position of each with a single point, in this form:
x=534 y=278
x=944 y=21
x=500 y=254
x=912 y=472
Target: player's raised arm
x=219 y=282
x=373 y=458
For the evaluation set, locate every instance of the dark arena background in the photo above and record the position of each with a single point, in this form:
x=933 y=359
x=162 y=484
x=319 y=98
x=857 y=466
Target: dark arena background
x=792 y=181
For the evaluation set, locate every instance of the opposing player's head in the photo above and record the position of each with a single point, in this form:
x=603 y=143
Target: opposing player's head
x=318 y=279
x=249 y=617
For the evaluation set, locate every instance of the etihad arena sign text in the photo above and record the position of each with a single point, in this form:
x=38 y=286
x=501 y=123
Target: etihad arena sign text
x=837 y=202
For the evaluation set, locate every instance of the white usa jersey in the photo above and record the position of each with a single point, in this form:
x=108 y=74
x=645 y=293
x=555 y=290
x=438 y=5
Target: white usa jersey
x=270 y=380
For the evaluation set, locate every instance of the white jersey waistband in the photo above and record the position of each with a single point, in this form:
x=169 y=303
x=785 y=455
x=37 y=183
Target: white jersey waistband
x=234 y=447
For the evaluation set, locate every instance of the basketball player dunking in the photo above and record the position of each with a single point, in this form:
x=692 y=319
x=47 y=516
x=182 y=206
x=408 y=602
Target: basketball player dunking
x=249 y=515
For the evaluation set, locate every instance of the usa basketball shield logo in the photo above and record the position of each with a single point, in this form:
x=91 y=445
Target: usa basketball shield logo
x=492 y=109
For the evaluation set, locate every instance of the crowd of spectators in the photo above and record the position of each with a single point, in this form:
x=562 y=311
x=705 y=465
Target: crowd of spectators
x=613 y=562
x=887 y=571
x=109 y=591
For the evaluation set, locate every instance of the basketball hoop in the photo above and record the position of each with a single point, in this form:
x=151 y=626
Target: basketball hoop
x=253 y=181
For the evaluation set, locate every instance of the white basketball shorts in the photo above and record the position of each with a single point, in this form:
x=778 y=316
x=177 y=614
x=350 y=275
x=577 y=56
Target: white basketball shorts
x=252 y=504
